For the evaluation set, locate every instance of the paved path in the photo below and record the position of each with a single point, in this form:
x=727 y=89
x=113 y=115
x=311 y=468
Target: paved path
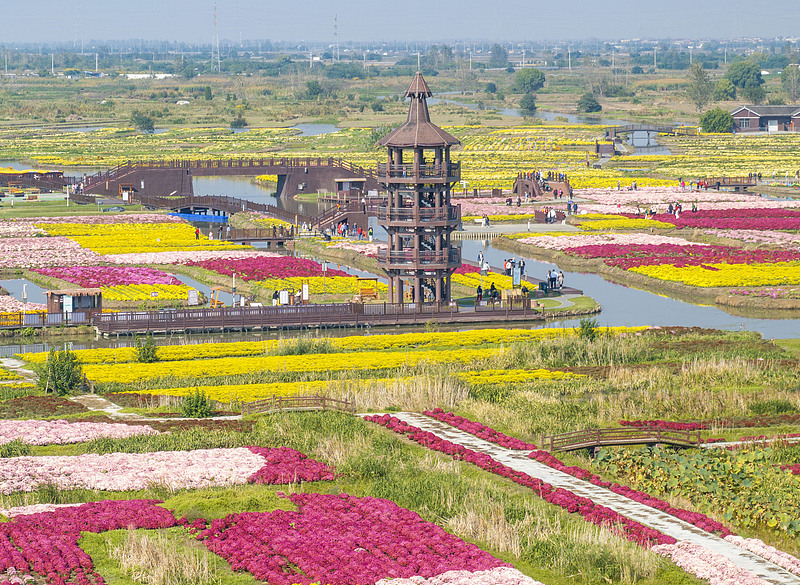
x=645 y=515
x=17 y=366
x=99 y=404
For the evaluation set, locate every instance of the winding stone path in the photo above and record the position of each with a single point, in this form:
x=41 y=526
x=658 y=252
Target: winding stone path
x=645 y=515
x=99 y=404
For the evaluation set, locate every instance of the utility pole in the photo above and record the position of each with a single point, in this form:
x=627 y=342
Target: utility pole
x=569 y=58
x=97 y=61
x=654 y=58
x=336 y=37
x=52 y=64
x=215 y=56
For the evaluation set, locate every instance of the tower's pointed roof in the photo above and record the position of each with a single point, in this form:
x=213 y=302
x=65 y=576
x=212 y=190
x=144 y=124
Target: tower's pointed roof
x=418 y=130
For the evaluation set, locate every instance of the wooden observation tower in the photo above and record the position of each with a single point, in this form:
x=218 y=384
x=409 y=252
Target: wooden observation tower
x=419 y=219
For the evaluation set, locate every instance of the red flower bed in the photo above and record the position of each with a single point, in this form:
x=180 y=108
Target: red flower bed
x=285 y=465
x=262 y=268
x=466 y=269
x=795 y=469
x=47 y=543
x=338 y=540
x=695 y=518
x=479 y=430
x=748 y=219
x=591 y=512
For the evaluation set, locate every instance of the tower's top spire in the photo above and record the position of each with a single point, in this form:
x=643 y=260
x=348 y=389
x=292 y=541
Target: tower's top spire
x=418 y=130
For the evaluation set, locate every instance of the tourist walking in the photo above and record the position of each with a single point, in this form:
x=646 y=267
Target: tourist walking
x=480 y=293
x=196 y=233
x=560 y=279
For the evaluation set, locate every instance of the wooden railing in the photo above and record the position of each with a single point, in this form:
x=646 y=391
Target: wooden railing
x=619 y=436
x=222 y=203
x=729 y=181
x=279 y=403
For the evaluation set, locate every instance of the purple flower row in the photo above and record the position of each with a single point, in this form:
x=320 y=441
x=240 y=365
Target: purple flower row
x=97 y=276
x=338 y=540
x=590 y=511
x=665 y=424
x=285 y=465
x=479 y=430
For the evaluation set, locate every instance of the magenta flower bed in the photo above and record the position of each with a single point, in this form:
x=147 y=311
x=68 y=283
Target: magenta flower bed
x=738 y=219
x=285 y=465
x=338 y=540
x=466 y=269
x=695 y=518
x=479 y=430
x=261 y=268
x=590 y=511
x=97 y=276
x=664 y=424
x=794 y=469
x=628 y=256
x=47 y=543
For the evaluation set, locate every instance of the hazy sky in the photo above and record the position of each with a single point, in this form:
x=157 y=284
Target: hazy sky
x=371 y=20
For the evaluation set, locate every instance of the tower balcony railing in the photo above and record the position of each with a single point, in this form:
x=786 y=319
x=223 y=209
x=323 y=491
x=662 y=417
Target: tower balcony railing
x=450 y=171
x=422 y=214
x=410 y=258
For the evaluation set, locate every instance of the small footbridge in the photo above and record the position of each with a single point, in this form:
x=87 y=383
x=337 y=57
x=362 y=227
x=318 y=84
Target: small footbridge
x=593 y=438
x=613 y=131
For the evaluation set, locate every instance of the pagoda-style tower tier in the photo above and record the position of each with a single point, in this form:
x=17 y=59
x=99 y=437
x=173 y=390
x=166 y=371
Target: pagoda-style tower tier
x=419 y=218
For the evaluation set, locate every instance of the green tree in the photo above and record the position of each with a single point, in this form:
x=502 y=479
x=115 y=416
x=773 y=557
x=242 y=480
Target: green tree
x=498 y=57
x=491 y=87
x=724 y=90
x=196 y=405
x=754 y=94
x=528 y=103
x=528 y=80
x=207 y=93
x=147 y=350
x=790 y=78
x=587 y=103
x=716 y=120
x=744 y=74
x=61 y=373
x=700 y=88
x=314 y=89
x=142 y=122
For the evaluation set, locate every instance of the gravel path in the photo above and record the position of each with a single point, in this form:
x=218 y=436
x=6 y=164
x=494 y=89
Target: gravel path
x=645 y=515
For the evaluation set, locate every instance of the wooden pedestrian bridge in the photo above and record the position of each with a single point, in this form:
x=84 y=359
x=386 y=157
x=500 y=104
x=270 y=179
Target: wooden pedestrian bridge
x=593 y=438
x=613 y=131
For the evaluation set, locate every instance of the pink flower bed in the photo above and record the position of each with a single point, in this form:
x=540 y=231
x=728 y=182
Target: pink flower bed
x=782 y=239
x=496 y=576
x=46 y=251
x=752 y=218
x=369 y=249
x=262 y=268
x=107 y=218
x=705 y=564
x=646 y=196
x=580 y=240
x=590 y=511
x=98 y=276
x=19 y=229
x=46 y=543
x=479 y=430
x=765 y=551
x=695 y=518
x=664 y=424
x=179 y=257
x=9 y=304
x=338 y=540
x=176 y=469
x=58 y=432
x=496 y=206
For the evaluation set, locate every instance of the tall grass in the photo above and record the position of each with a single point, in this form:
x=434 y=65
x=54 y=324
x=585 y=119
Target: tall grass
x=156 y=560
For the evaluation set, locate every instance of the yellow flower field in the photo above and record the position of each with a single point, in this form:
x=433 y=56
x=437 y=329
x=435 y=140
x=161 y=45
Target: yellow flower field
x=726 y=275
x=344 y=344
x=144 y=292
x=317 y=284
x=514 y=376
x=135 y=238
x=624 y=223
x=128 y=373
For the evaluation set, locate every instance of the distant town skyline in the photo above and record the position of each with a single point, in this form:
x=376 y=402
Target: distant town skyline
x=42 y=21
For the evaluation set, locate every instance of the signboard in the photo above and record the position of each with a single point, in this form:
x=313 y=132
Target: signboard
x=192 y=299
x=324 y=266
x=284 y=297
x=154 y=294
x=305 y=292
x=67 y=303
x=516 y=276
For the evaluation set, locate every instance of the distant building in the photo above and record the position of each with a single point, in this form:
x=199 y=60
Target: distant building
x=766 y=119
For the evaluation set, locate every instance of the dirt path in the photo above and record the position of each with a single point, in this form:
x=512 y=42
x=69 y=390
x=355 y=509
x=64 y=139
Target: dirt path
x=645 y=515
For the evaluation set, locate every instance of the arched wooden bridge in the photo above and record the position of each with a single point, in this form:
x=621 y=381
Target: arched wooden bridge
x=591 y=438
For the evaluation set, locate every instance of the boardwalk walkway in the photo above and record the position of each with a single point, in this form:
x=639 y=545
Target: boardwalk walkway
x=645 y=515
